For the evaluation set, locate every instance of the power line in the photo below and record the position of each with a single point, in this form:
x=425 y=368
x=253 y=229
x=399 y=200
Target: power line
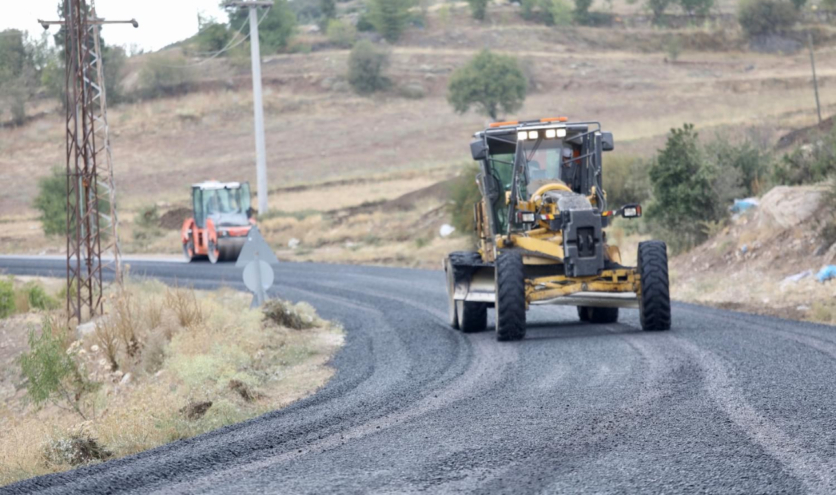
x=216 y=54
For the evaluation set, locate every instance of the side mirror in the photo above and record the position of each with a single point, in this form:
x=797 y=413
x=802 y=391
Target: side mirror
x=607 y=141
x=631 y=211
x=479 y=150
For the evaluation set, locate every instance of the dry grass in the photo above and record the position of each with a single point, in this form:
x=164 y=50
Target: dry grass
x=189 y=348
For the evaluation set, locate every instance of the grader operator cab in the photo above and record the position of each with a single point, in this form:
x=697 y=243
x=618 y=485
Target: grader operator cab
x=540 y=225
x=220 y=221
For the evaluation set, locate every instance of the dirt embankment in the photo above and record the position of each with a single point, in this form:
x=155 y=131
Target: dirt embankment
x=765 y=261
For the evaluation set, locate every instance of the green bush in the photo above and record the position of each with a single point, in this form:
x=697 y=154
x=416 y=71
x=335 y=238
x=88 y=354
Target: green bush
x=809 y=163
x=626 y=180
x=559 y=12
x=275 y=31
x=50 y=372
x=7 y=298
x=684 y=192
x=342 y=34
x=758 y=17
x=164 y=75
x=390 y=17
x=51 y=202
x=581 y=12
x=327 y=12
x=696 y=7
x=464 y=193
x=38 y=298
x=211 y=36
x=489 y=81
x=749 y=164
x=658 y=8
x=478 y=8
x=366 y=66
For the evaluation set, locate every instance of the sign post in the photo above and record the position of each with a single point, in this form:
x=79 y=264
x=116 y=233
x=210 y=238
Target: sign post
x=256 y=258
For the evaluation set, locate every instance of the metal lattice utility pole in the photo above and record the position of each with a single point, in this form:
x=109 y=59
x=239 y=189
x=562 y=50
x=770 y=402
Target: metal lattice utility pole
x=87 y=136
x=258 y=107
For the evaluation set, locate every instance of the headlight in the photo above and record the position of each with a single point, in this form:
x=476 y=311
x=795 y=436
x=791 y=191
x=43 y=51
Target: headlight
x=550 y=133
x=533 y=134
x=522 y=136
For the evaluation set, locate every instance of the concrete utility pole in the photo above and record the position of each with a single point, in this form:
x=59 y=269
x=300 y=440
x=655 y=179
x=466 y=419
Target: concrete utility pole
x=258 y=107
x=813 y=65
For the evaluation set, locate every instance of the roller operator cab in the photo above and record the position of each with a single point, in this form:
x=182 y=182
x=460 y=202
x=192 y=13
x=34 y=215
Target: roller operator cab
x=542 y=240
x=221 y=219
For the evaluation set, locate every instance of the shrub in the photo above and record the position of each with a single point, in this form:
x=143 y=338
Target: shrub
x=185 y=306
x=478 y=9
x=581 y=12
x=696 y=7
x=164 y=75
x=211 y=36
x=464 y=193
x=809 y=163
x=658 y=8
x=341 y=33
x=7 y=298
x=76 y=450
x=750 y=165
x=758 y=17
x=296 y=317
x=275 y=30
x=51 y=202
x=50 y=371
x=683 y=189
x=366 y=66
x=489 y=81
x=327 y=12
x=559 y=12
x=36 y=297
x=390 y=17
x=626 y=180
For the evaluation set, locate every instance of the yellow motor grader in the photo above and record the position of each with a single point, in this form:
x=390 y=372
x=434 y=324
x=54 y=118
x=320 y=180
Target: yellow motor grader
x=540 y=225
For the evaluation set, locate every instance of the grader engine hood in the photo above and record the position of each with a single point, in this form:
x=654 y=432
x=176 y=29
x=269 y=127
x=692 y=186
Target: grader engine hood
x=583 y=241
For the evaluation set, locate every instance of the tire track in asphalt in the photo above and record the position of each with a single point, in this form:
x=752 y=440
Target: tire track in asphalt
x=816 y=473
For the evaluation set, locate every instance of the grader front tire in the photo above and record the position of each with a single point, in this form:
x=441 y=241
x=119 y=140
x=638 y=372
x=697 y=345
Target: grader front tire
x=655 y=301
x=510 y=296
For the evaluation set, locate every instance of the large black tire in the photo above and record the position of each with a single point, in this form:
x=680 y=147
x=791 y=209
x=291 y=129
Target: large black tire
x=472 y=316
x=188 y=250
x=452 y=316
x=598 y=315
x=510 y=296
x=655 y=301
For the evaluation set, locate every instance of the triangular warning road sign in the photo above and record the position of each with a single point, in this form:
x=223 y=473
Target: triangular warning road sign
x=255 y=248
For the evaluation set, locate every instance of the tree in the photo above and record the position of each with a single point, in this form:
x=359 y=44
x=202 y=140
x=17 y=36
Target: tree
x=390 y=17
x=491 y=82
x=212 y=36
x=275 y=30
x=696 y=7
x=582 y=10
x=478 y=9
x=51 y=202
x=758 y=17
x=327 y=12
x=342 y=34
x=366 y=66
x=683 y=188
x=658 y=8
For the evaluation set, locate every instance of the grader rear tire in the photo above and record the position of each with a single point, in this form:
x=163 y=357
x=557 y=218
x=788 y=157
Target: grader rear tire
x=510 y=296
x=452 y=314
x=598 y=315
x=472 y=316
x=655 y=301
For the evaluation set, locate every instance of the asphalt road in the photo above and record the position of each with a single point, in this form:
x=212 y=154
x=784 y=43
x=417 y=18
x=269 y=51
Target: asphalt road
x=723 y=403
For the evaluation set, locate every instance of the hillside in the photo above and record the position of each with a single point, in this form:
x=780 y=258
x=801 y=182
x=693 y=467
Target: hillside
x=349 y=150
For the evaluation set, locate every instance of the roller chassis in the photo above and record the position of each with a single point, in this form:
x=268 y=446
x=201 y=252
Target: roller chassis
x=561 y=256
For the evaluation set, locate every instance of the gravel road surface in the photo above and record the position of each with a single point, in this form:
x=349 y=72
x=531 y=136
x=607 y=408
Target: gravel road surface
x=723 y=403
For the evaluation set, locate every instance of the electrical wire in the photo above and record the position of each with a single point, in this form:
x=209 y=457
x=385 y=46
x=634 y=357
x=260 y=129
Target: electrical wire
x=216 y=54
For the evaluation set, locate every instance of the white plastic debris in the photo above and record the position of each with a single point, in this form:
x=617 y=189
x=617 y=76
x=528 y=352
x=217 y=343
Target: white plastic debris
x=446 y=230
x=797 y=277
x=741 y=205
x=293 y=243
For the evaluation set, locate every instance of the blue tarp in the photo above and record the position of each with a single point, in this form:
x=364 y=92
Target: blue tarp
x=826 y=273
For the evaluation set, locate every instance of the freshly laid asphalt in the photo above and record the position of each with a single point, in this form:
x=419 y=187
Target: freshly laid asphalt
x=723 y=403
